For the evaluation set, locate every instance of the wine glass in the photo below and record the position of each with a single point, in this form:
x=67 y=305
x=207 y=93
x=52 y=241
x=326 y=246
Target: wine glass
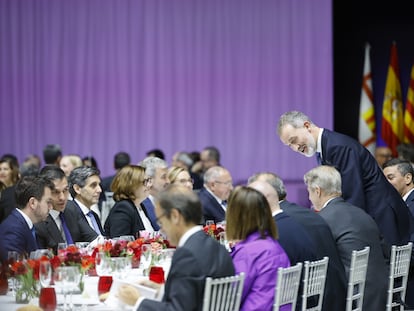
x=102 y=266
x=74 y=276
x=12 y=257
x=47 y=297
x=61 y=249
x=146 y=257
x=62 y=277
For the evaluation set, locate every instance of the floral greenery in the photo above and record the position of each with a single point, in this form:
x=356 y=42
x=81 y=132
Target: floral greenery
x=27 y=274
x=71 y=256
x=213 y=231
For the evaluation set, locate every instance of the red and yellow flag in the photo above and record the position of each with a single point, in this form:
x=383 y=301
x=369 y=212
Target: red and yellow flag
x=366 y=130
x=392 y=109
x=409 y=112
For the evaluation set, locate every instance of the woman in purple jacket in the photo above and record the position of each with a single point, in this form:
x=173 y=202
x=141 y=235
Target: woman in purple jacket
x=257 y=253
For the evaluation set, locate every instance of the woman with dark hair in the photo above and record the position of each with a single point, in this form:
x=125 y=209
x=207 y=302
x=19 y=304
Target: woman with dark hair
x=9 y=171
x=257 y=252
x=127 y=217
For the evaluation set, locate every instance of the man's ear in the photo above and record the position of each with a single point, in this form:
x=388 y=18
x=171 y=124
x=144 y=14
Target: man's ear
x=175 y=216
x=77 y=188
x=408 y=179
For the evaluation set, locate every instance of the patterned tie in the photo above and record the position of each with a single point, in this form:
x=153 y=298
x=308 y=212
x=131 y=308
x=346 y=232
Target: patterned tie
x=65 y=229
x=94 y=223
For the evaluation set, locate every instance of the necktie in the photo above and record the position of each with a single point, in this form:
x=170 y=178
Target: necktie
x=224 y=204
x=34 y=235
x=94 y=223
x=319 y=158
x=65 y=229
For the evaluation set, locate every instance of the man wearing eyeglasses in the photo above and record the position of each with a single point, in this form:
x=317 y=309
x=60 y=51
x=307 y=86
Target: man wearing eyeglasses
x=218 y=185
x=197 y=256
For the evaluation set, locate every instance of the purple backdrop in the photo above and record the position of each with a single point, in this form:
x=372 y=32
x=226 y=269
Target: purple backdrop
x=100 y=76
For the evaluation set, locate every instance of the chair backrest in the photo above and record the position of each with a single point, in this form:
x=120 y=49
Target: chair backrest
x=399 y=267
x=314 y=283
x=223 y=294
x=287 y=286
x=356 y=279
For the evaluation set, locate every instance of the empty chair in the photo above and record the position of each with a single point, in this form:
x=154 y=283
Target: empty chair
x=356 y=280
x=288 y=280
x=223 y=294
x=399 y=267
x=314 y=284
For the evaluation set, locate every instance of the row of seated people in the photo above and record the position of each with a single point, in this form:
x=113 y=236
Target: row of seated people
x=302 y=235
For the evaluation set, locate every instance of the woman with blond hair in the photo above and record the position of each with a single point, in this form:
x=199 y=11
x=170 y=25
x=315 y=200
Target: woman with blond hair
x=127 y=217
x=257 y=252
x=181 y=176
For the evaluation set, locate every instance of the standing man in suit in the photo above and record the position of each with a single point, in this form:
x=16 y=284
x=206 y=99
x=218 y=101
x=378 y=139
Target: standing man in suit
x=197 y=257
x=352 y=228
x=84 y=186
x=33 y=200
x=218 y=185
x=61 y=225
x=156 y=170
x=321 y=236
x=363 y=183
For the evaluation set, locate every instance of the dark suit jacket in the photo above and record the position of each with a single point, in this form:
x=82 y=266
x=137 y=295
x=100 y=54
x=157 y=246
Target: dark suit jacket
x=49 y=236
x=319 y=231
x=15 y=235
x=212 y=210
x=410 y=202
x=365 y=186
x=150 y=212
x=123 y=219
x=294 y=239
x=7 y=202
x=74 y=206
x=353 y=229
x=200 y=257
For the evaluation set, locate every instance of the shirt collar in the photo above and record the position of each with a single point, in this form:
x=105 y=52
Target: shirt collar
x=83 y=208
x=26 y=218
x=407 y=194
x=188 y=234
x=319 y=142
x=214 y=196
x=54 y=214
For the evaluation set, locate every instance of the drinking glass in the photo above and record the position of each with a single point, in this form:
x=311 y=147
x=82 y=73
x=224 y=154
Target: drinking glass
x=12 y=257
x=66 y=279
x=61 y=249
x=47 y=299
x=146 y=257
x=45 y=273
x=74 y=276
x=103 y=269
x=210 y=224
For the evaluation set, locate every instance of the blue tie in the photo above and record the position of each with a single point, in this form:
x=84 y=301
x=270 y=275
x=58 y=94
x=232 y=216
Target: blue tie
x=34 y=235
x=94 y=223
x=65 y=229
x=319 y=158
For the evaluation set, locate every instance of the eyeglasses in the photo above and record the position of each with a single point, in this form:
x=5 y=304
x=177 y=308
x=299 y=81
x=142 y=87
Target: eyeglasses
x=226 y=183
x=146 y=181
x=184 y=181
x=157 y=220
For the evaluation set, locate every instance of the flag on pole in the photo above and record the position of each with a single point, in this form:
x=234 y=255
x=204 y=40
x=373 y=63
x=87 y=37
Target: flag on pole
x=392 y=109
x=409 y=112
x=366 y=131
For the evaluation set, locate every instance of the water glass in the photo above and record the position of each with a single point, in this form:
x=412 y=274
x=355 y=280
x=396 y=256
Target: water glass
x=146 y=256
x=12 y=257
x=47 y=299
x=45 y=273
x=61 y=249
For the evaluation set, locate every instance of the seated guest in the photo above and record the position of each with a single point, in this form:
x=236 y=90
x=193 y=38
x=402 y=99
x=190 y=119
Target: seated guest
x=323 y=241
x=84 y=186
x=156 y=169
x=33 y=200
x=69 y=162
x=9 y=170
x=127 y=217
x=61 y=225
x=257 y=253
x=181 y=176
x=197 y=257
x=352 y=228
x=218 y=184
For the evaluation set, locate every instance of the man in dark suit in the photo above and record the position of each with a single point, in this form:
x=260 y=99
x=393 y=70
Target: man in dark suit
x=323 y=241
x=363 y=183
x=61 y=225
x=218 y=185
x=156 y=170
x=121 y=159
x=84 y=186
x=352 y=228
x=33 y=200
x=197 y=256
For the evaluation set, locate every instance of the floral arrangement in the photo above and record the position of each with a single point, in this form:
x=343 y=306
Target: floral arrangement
x=214 y=230
x=26 y=273
x=72 y=256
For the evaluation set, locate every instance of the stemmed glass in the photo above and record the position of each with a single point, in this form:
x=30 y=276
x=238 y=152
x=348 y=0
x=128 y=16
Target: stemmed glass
x=146 y=257
x=67 y=279
x=103 y=269
x=47 y=298
x=12 y=257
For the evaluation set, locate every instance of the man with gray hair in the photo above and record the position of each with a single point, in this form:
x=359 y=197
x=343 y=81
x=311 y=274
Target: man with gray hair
x=84 y=186
x=363 y=182
x=352 y=229
x=155 y=169
x=323 y=241
x=218 y=185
